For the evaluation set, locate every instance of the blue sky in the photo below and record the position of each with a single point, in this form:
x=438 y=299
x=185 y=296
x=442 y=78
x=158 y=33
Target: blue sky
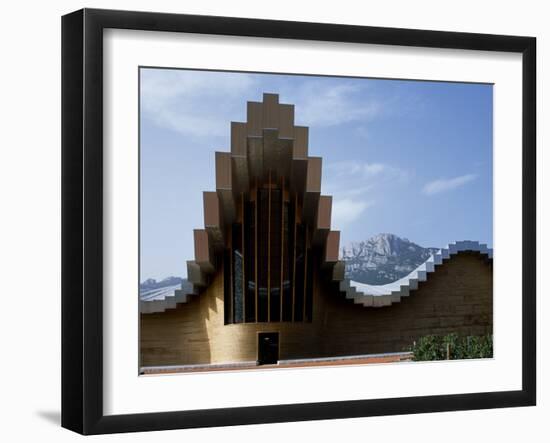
x=411 y=158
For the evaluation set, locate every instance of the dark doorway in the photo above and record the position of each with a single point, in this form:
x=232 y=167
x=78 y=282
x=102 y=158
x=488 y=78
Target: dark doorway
x=268 y=348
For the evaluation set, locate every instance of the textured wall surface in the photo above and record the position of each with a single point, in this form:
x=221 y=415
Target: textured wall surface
x=457 y=297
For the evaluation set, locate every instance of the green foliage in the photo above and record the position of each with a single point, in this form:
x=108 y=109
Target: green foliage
x=452 y=347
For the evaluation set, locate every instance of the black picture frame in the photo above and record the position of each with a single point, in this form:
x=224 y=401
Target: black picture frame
x=82 y=218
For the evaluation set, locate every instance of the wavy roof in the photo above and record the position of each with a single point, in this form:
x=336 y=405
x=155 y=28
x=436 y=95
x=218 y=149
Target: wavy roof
x=371 y=296
x=386 y=295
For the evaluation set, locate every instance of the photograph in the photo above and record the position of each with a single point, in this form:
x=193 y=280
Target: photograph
x=296 y=220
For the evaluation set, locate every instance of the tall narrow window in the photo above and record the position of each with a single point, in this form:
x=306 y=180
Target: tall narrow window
x=263 y=253
x=288 y=245
x=269 y=267
x=300 y=272
x=250 y=261
x=309 y=286
x=238 y=277
x=275 y=255
x=227 y=286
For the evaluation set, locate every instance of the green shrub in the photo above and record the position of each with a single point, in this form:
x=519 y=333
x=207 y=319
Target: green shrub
x=452 y=347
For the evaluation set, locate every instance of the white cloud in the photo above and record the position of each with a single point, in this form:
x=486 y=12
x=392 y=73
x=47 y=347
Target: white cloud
x=202 y=103
x=193 y=102
x=350 y=191
x=447 y=184
x=347 y=210
x=356 y=185
x=365 y=170
x=319 y=104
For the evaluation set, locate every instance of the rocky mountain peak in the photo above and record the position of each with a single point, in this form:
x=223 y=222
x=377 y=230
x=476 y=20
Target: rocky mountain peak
x=383 y=258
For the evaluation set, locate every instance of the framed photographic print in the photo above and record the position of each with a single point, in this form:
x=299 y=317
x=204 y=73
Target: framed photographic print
x=270 y=221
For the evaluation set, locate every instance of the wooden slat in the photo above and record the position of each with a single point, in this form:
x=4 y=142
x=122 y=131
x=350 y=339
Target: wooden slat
x=203 y=255
x=306 y=260
x=313 y=189
x=224 y=179
x=243 y=243
x=282 y=245
x=241 y=181
x=271 y=111
x=269 y=249
x=255 y=156
x=298 y=173
x=254 y=117
x=224 y=185
x=314 y=171
x=332 y=246
x=286 y=121
x=256 y=252
x=322 y=219
x=301 y=136
x=212 y=215
x=271 y=155
x=231 y=271
x=238 y=138
x=212 y=219
x=294 y=259
x=324 y=211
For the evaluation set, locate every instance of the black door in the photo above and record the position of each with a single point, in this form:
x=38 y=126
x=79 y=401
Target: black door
x=268 y=348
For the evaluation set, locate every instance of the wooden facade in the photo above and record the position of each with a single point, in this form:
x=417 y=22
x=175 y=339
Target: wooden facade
x=268 y=166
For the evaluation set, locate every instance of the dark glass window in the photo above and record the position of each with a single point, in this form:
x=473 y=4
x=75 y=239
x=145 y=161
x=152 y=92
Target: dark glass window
x=309 y=286
x=263 y=253
x=288 y=253
x=268 y=272
x=227 y=286
x=300 y=273
x=238 y=275
x=275 y=255
x=250 y=260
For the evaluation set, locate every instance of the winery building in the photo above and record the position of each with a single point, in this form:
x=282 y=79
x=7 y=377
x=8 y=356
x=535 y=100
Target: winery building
x=267 y=283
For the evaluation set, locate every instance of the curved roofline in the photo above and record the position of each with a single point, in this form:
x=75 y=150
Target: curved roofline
x=372 y=296
x=385 y=295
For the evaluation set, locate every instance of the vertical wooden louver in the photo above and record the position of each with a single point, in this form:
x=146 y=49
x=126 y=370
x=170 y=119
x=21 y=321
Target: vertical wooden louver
x=266 y=221
x=263 y=253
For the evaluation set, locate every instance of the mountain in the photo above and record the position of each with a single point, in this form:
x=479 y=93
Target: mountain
x=152 y=289
x=151 y=283
x=383 y=259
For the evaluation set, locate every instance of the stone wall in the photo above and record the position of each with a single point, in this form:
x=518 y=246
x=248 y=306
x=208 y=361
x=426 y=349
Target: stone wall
x=457 y=297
